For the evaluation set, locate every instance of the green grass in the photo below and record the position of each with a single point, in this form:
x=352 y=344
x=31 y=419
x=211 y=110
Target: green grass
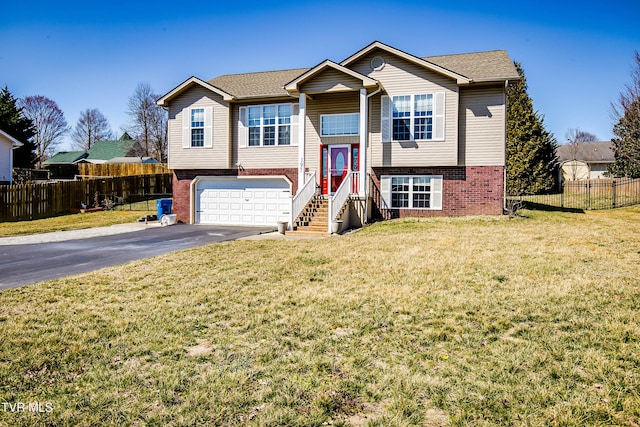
x=458 y=321
x=70 y=222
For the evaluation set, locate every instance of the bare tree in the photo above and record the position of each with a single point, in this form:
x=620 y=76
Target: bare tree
x=149 y=122
x=92 y=126
x=630 y=94
x=49 y=124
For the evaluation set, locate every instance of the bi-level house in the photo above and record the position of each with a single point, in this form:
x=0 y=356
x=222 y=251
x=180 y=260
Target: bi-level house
x=381 y=132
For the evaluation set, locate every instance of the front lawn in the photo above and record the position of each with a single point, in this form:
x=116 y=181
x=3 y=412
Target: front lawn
x=70 y=222
x=457 y=321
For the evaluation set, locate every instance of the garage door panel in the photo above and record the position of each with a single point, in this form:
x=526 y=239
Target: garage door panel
x=243 y=202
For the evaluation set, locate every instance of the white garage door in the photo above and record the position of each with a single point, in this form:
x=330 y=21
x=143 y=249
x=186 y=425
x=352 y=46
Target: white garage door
x=237 y=201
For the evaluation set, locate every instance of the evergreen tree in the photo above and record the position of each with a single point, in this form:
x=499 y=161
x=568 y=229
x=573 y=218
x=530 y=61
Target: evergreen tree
x=531 y=149
x=13 y=122
x=626 y=144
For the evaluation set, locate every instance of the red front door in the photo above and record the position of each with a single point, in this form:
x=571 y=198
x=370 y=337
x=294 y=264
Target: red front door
x=339 y=163
x=336 y=162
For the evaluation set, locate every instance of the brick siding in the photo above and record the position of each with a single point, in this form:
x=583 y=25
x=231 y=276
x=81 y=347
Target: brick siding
x=471 y=190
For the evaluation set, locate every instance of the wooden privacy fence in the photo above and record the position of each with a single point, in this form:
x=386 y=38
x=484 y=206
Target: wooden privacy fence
x=121 y=169
x=590 y=194
x=34 y=201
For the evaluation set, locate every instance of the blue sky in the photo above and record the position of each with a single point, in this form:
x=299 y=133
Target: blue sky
x=576 y=55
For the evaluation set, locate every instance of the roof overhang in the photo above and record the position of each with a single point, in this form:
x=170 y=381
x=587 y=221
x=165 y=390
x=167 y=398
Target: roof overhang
x=293 y=87
x=14 y=142
x=460 y=79
x=192 y=81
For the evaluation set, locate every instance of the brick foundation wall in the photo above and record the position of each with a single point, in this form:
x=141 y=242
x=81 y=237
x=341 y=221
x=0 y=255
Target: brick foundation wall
x=471 y=190
x=182 y=184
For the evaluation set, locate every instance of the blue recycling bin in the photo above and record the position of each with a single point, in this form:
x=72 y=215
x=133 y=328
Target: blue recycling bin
x=164 y=207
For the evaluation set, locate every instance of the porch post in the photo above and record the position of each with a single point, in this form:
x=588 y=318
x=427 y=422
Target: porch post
x=363 y=142
x=302 y=113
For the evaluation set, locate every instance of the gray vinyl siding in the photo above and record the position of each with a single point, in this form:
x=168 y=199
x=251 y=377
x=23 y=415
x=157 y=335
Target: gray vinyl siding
x=330 y=80
x=337 y=103
x=279 y=156
x=216 y=157
x=400 y=77
x=482 y=126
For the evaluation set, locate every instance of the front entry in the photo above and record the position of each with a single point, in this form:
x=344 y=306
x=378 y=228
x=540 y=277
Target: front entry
x=337 y=161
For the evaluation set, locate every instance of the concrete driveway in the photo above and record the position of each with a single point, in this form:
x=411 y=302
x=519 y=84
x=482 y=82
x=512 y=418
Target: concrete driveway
x=23 y=263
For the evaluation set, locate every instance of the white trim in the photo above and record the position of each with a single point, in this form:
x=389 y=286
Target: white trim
x=435 y=200
x=362 y=152
x=438 y=117
x=301 y=121
x=277 y=125
x=208 y=128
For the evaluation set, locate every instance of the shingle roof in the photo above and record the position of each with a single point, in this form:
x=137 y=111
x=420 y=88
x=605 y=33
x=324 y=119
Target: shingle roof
x=250 y=85
x=65 y=157
x=479 y=66
x=107 y=150
x=590 y=152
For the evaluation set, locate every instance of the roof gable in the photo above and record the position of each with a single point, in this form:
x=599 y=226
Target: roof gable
x=460 y=79
x=14 y=142
x=191 y=81
x=294 y=85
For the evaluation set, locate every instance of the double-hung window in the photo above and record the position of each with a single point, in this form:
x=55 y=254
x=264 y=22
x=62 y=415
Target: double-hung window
x=412 y=191
x=268 y=125
x=197 y=127
x=415 y=117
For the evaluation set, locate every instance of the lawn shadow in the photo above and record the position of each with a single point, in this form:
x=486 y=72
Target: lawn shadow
x=551 y=208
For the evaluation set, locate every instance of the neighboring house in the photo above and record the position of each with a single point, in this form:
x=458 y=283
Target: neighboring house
x=382 y=130
x=105 y=151
x=7 y=145
x=585 y=160
x=64 y=164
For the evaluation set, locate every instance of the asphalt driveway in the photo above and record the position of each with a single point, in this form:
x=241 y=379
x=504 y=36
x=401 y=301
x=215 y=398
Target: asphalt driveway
x=31 y=263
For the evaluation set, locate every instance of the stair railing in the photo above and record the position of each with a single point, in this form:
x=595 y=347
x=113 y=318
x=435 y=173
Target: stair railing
x=340 y=197
x=303 y=195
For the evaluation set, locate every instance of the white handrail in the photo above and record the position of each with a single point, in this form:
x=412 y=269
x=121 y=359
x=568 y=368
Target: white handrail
x=303 y=195
x=340 y=197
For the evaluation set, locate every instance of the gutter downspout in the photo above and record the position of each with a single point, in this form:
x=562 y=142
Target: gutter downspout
x=366 y=189
x=504 y=173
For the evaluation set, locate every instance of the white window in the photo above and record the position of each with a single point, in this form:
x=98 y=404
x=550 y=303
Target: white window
x=411 y=191
x=416 y=117
x=266 y=125
x=197 y=127
x=339 y=124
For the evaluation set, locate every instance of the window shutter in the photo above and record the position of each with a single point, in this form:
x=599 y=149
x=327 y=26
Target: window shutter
x=438 y=118
x=295 y=120
x=436 y=192
x=385 y=119
x=243 y=130
x=385 y=192
x=208 y=127
x=186 y=128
